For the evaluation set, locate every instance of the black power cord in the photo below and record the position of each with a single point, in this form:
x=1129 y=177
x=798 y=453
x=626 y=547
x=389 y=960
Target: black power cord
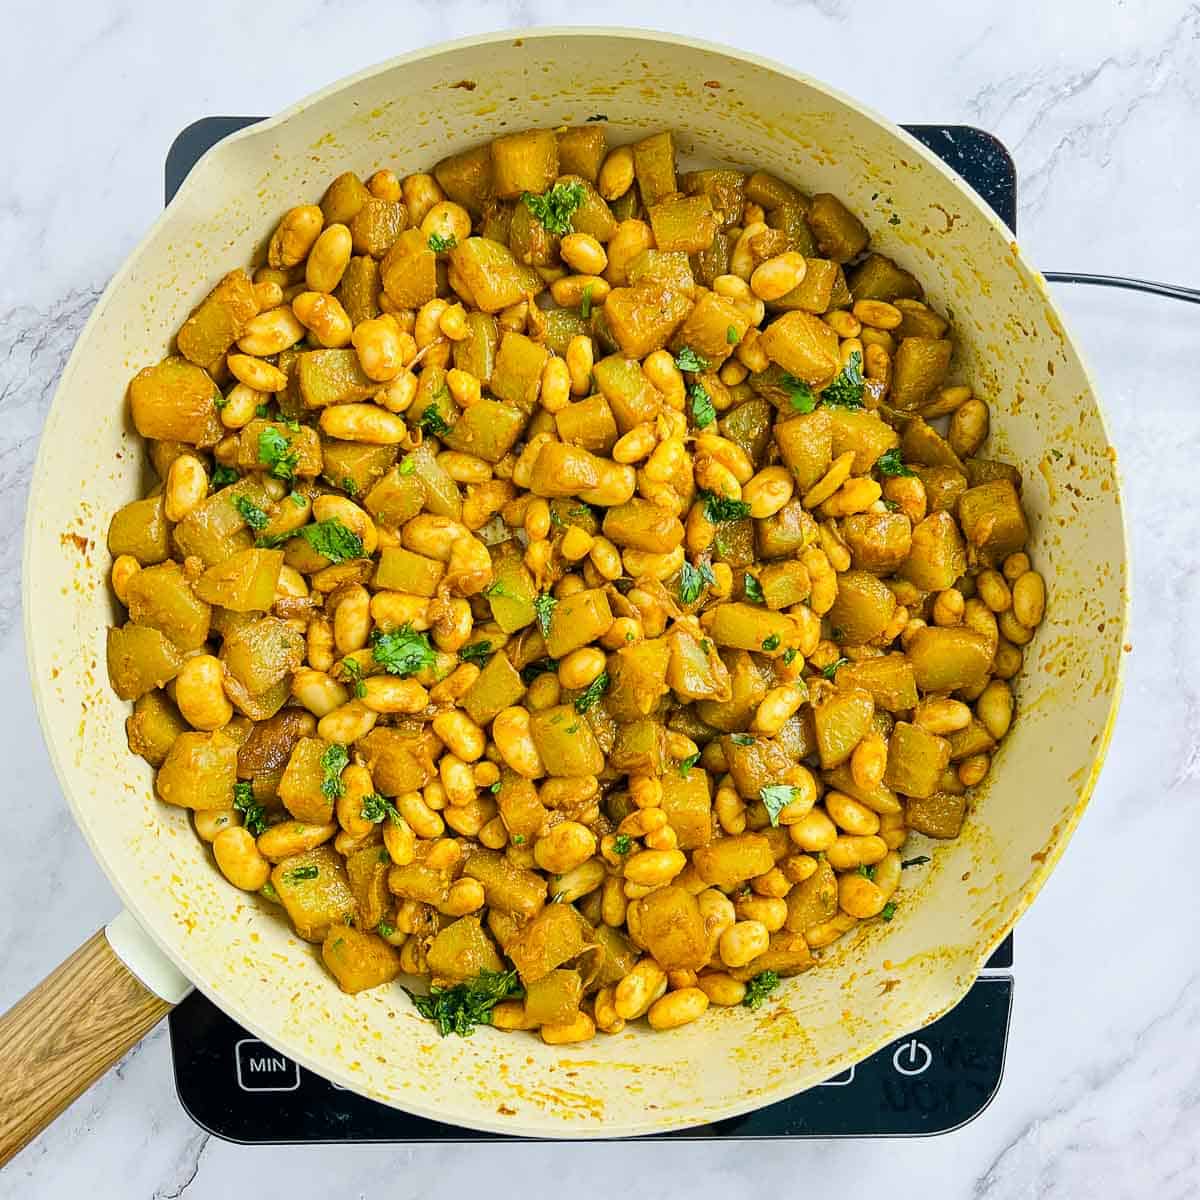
x=1119 y=281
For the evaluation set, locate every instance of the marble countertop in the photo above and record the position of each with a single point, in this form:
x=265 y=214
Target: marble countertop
x=1098 y=100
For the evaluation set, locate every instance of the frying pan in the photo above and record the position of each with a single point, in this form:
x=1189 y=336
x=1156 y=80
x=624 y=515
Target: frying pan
x=185 y=926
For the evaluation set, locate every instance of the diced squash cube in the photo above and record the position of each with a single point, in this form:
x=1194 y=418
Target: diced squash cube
x=654 y=164
x=359 y=960
x=466 y=178
x=993 y=520
x=506 y=886
x=842 y=722
x=787 y=954
x=565 y=742
x=367 y=870
x=487 y=429
x=729 y=861
x=524 y=162
x=554 y=998
x=176 y=401
x=358 y=291
x=140 y=528
x=498 y=686
x=199 y=771
x=588 y=423
x=671 y=269
x=878 y=542
x=461 y=951
x=916 y=760
x=632 y=397
x=643 y=525
x=640 y=748
x=945 y=659
x=581 y=150
x=937 y=557
x=695 y=673
x=399 y=760
x=725 y=190
x=923 y=444
x=219 y=320
x=878 y=278
x=314 y=891
x=637 y=678
x=918 y=366
x=303 y=447
x=937 y=816
x=261 y=653
x=512 y=589
x=401 y=570
x=577 y=620
x=803 y=346
x=754 y=763
x=645 y=317
x=749 y=627
x=685 y=223
x=944 y=487
x=140 y=659
x=300 y=789
x=409 y=271
x=688 y=804
x=786 y=533
x=244 y=582
x=747 y=684
x=840 y=234
x=673 y=930
x=327 y=377
x=376 y=226
x=517 y=377
x=973 y=739
x=162 y=598
x=813 y=901
x=889 y=680
x=806 y=445
x=707 y=328
x=864 y=433
x=493 y=276
x=863 y=608
x=556 y=936
x=814 y=293
x=153 y=726
x=395 y=498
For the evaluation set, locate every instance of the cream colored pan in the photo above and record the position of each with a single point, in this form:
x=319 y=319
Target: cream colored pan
x=893 y=978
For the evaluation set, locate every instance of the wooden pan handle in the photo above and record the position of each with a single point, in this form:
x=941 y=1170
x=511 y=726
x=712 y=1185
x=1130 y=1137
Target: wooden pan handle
x=57 y=1041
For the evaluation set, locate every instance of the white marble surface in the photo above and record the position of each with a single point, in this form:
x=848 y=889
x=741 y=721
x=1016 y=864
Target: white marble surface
x=1099 y=102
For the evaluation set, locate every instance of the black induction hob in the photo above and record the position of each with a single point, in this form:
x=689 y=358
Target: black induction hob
x=239 y=1089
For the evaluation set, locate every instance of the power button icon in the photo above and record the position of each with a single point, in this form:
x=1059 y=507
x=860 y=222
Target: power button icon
x=912 y=1057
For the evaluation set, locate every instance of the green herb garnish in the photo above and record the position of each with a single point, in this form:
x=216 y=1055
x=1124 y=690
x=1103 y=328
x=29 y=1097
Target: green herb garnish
x=555 y=208
x=544 y=605
x=592 y=694
x=498 y=589
x=376 y=808
x=720 y=508
x=385 y=930
x=732 y=336
x=276 y=454
x=349 y=486
x=253 y=813
x=495 y=788
x=518 y=839
x=776 y=797
x=742 y=739
x=251 y=513
x=847 y=389
x=759 y=988
x=432 y=422
x=753 y=589
x=801 y=397
x=543 y=666
x=439 y=244
x=403 y=651
x=333 y=763
x=622 y=844
x=890 y=463
x=704 y=412
x=685 y=767
x=789 y=656
x=298 y=500
x=332 y=540
x=407 y=465
x=830 y=671
x=268 y=890
x=262 y=412
x=477 y=652
x=298 y=873
x=893 y=219
x=223 y=476
x=692 y=581
x=771 y=642
x=352 y=670
x=688 y=360
x=867 y=872
x=585 y=301
x=460 y=1008
x=888 y=911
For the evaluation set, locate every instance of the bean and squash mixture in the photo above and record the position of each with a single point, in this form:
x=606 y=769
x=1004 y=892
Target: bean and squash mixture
x=569 y=582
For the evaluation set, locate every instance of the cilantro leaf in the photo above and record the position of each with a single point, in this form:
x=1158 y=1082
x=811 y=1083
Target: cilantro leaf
x=732 y=336
x=477 y=652
x=276 y=454
x=890 y=463
x=688 y=360
x=332 y=540
x=888 y=911
x=378 y=808
x=802 y=398
x=776 y=797
x=407 y=465
x=432 y=422
x=459 y=1009
x=759 y=988
x=384 y=929
x=253 y=814
x=720 y=508
x=692 y=581
x=686 y=765
x=771 y=642
x=753 y=589
x=789 y=656
x=704 y=412
x=352 y=670
x=866 y=872
x=622 y=844
x=555 y=208
x=544 y=605
x=742 y=739
x=251 y=513
x=333 y=763
x=847 y=389
x=543 y=666
x=830 y=671
x=298 y=873
x=585 y=301
x=403 y=651
x=438 y=244
x=223 y=476
x=593 y=692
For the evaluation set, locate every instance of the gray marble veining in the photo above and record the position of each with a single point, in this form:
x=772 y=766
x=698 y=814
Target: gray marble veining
x=1098 y=100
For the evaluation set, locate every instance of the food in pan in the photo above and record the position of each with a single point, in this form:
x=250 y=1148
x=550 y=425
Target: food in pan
x=570 y=580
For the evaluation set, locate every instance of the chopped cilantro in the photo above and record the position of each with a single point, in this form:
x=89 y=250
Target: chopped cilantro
x=543 y=666
x=378 y=808
x=830 y=671
x=460 y=1008
x=688 y=360
x=275 y=452
x=297 y=499
x=220 y=401
x=622 y=844
x=585 y=301
x=385 y=930
x=890 y=463
x=332 y=540
x=352 y=670
x=403 y=651
x=349 y=486
x=498 y=589
x=771 y=642
x=544 y=605
x=893 y=219
x=800 y=395
x=518 y=839
x=742 y=739
x=847 y=389
x=407 y=465
x=720 y=508
x=438 y=244
x=477 y=652
x=262 y=412
x=495 y=788
x=686 y=765
x=333 y=763
x=298 y=873
x=432 y=422
x=789 y=656
x=268 y=890
x=889 y=910
x=253 y=814
x=573 y=727
x=753 y=589
x=592 y=693
x=555 y=208
x=759 y=988
x=732 y=336
x=704 y=412
x=1056 y=453
x=891 y=505
x=251 y=513
x=223 y=476
x=692 y=581
x=776 y=797
x=867 y=872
